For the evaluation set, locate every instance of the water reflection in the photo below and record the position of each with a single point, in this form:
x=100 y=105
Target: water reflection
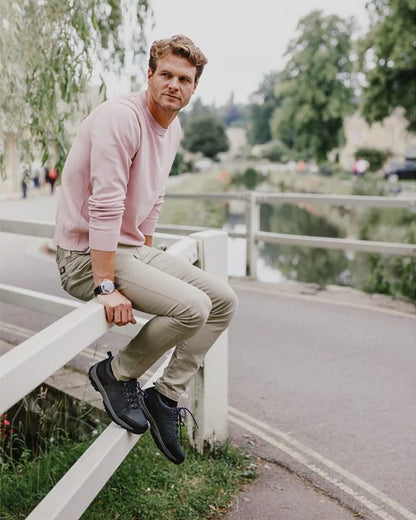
x=278 y=262
x=304 y=264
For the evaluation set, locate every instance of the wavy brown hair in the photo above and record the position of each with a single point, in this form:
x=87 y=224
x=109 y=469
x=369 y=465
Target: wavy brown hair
x=178 y=45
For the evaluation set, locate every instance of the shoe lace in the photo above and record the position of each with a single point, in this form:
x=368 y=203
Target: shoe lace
x=132 y=391
x=179 y=419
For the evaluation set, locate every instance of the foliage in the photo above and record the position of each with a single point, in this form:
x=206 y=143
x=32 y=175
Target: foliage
x=197 y=110
x=277 y=151
x=48 y=49
x=43 y=418
x=250 y=178
x=393 y=276
x=150 y=486
x=375 y=157
x=206 y=135
x=261 y=108
x=388 y=57
x=316 y=86
x=180 y=165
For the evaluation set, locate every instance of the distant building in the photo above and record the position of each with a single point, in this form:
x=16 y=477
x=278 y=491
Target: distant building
x=237 y=138
x=389 y=135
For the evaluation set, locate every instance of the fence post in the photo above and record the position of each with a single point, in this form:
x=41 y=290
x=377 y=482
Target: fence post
x=253 y=226
x=208 y=391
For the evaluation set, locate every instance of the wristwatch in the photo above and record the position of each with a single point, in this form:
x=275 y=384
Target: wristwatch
x=105 y=287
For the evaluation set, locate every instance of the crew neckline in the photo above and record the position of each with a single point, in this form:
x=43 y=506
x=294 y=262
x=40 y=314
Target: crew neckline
x=156 y=126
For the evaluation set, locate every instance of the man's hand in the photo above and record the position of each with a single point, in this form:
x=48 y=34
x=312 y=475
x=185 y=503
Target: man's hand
x=118 y=309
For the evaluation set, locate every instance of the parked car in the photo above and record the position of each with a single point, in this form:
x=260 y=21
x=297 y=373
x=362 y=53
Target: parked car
x=402 y=171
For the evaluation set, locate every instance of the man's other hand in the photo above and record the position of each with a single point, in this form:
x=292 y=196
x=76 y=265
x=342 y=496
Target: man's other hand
x=118 y=309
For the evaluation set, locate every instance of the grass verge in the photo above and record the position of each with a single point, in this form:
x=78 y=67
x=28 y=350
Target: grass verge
x=146 y=486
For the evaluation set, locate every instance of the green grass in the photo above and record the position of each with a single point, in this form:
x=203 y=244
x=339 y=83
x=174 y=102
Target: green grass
x=146 y=486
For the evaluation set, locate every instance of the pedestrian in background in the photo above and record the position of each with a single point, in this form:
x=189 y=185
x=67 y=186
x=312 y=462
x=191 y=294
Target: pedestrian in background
x=26 y=180
x=52 y=177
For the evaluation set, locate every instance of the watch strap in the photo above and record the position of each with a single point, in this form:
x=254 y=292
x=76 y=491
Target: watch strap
x=99 y=290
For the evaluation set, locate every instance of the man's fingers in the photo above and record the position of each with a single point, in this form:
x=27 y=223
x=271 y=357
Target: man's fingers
x=109 y=314
x=121 y=315
x=118 y=309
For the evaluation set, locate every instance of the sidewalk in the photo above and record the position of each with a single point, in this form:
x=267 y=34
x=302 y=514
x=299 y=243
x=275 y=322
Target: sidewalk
x=278 y=494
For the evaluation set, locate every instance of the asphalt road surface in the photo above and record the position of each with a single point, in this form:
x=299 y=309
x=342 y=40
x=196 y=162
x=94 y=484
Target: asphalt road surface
x=325 y=389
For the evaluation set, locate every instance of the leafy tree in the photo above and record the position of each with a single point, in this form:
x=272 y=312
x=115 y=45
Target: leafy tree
x=388 y=57
x=197 y=110
x=315 y=86
x=205 y=134
x=180 y=165
x=48 y=49
x=260 y=111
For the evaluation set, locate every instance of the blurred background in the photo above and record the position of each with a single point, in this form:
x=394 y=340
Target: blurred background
x=311 y=97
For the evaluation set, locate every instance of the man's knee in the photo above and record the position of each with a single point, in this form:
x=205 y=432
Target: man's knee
x=227 y=302
x=199 y=308
x=232 y=300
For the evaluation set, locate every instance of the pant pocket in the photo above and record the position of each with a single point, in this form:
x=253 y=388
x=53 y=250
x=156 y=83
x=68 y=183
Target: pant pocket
x=76 y=274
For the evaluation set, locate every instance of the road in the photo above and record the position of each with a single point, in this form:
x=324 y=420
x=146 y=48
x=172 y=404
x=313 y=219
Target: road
x=324 y=389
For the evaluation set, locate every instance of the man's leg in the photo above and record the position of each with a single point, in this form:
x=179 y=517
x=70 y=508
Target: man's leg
x=177 y=293
x=191 y=307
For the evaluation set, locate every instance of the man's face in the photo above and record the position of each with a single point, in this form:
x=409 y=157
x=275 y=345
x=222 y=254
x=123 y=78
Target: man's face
x=172 y=84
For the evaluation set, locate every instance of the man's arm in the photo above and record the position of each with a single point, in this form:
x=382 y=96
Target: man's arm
x=118 y=308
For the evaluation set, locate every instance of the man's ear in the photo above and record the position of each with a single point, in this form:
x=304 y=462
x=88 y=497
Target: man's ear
x=195 y=85
x=149 y=74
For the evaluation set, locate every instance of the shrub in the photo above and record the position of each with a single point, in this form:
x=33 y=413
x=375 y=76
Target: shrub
x=375 y=157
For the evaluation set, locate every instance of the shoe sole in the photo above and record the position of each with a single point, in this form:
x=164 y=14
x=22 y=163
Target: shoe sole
x=92 y=375
x=154 y=430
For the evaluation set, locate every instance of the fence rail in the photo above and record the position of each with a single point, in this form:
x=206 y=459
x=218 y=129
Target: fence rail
x=254 y=236
x=26 y=366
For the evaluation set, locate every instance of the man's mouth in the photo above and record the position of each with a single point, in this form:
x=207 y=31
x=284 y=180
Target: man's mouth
x=171 y=96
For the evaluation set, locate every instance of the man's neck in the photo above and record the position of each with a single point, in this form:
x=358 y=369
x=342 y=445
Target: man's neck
x=162 y=117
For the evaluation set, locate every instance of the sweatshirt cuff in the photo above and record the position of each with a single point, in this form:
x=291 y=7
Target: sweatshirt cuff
x=103 y=240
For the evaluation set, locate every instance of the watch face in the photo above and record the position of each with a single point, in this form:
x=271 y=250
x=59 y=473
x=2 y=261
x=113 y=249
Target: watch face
x=107 y=286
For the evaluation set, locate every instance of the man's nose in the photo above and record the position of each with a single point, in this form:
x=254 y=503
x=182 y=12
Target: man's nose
x=174 y=84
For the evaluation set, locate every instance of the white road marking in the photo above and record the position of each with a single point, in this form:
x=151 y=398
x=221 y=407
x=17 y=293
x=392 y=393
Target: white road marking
x=14 y=329
x=294 y=450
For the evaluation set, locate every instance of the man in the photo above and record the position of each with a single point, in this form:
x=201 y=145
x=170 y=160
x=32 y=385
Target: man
x=112 y=191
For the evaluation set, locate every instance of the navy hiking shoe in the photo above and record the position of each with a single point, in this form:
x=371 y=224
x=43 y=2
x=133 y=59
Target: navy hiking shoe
x=123 y=400
x=165 y=423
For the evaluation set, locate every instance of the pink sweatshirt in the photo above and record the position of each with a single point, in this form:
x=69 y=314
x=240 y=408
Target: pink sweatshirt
x=114 y=175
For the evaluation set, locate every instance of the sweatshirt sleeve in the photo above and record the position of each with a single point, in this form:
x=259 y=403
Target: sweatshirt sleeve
x=115 y=138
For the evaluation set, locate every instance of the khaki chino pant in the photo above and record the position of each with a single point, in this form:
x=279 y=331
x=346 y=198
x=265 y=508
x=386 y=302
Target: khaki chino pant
x=191 y=309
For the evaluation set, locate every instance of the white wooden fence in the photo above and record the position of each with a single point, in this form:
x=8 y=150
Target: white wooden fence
x=254 y=236
x=26 y=366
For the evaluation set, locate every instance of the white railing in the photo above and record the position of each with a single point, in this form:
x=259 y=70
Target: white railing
x=254 y=236
x=26 y=366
